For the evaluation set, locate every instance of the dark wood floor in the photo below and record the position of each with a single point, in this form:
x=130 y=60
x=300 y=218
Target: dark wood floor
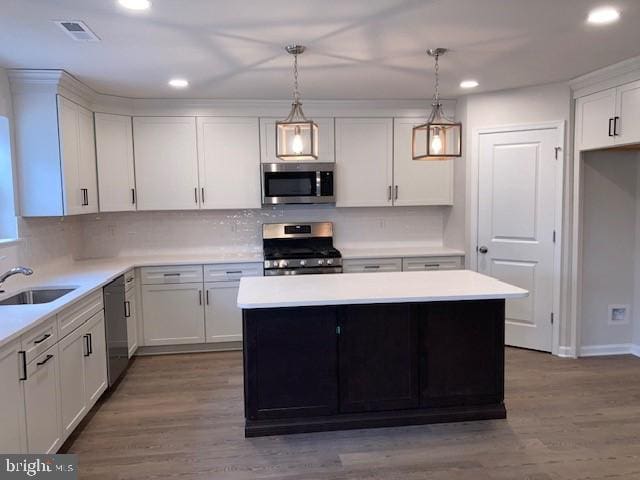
x=180 y=417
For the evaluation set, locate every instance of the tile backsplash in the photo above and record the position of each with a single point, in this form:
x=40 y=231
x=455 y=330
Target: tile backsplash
x=140 y=233
x=45 y=241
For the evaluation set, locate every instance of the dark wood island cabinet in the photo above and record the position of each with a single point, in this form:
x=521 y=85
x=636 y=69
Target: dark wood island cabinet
x=345 y=366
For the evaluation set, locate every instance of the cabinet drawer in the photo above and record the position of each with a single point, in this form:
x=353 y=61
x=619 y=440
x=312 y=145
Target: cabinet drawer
x=372 y=265
x=129 y=280
x=419 y=264
x=169 y=275
x=79 y=312
x=40 y=338
x=225 y=272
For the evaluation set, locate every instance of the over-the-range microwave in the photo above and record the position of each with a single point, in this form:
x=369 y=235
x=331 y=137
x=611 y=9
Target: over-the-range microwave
x=297 y=183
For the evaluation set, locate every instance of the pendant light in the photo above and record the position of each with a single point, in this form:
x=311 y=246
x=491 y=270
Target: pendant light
x=296 y=136
x=441 y=137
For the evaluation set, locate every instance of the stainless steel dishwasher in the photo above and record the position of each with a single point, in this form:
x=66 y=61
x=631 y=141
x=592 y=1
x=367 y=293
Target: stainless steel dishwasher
x=116 y=329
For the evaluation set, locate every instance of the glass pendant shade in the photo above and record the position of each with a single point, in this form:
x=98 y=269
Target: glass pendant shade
x=437 y=141
x=297 y=140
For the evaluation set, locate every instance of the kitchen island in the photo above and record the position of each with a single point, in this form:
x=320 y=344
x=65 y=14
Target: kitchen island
x=344 y=351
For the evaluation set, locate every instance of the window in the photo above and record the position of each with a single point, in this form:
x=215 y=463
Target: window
x=8 y=226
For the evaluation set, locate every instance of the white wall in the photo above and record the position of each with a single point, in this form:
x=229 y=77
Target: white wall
x=140 y=233
x=609 y=244
x=537 y=104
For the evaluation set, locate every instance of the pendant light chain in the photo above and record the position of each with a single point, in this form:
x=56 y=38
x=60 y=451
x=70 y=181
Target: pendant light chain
x=436 y=97
x=296 y=92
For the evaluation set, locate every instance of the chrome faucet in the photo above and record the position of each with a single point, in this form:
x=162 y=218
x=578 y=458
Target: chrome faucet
x=14 y=271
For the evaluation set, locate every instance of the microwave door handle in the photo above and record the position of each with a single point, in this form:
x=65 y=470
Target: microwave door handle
x=318 y=183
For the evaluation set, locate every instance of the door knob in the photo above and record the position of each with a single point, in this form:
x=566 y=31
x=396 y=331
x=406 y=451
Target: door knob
x=483 y=249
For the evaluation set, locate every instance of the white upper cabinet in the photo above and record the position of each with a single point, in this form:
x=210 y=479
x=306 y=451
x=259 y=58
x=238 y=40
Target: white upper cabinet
x=268 y=140
x=608 y=118
x=628 y=114
x=594 y=120
x=364 y=162
x=166 y=162
x=418 y=182
x=77 y=149
x=114 y=152
x=229 y=162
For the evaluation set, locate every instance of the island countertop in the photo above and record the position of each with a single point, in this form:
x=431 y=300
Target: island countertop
x=367 y=288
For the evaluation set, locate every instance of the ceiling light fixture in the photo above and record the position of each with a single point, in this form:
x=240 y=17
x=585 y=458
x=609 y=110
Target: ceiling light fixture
x=440 y=138
x=296 y=136
x=603 y=15
x=135 y=4
x=469 y=84
x=178 y=83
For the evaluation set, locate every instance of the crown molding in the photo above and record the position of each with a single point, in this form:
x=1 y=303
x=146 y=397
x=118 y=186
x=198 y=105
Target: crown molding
x=62 y=82
x=607 y=77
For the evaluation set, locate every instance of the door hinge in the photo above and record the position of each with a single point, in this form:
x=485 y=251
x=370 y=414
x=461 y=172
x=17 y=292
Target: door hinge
x=551 y=318
x=554 y=236
x=557 y=149
x=338 y=330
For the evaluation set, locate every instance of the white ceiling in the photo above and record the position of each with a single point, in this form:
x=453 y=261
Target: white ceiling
x=367 y=49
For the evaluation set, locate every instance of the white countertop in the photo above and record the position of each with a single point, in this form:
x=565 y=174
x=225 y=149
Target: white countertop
x=87 y=276
x=352 y=252
x=362 y=288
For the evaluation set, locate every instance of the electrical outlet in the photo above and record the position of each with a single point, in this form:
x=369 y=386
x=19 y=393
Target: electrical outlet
x=618 y=314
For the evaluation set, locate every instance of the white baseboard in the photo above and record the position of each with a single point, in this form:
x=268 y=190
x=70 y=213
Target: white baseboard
x=566 y=352
x=611 y=349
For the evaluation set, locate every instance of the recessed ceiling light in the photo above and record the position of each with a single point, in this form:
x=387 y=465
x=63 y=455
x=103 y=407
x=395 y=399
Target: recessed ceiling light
x=603 y=15
x=135 y=4
x=178 y=83
x=469 y=84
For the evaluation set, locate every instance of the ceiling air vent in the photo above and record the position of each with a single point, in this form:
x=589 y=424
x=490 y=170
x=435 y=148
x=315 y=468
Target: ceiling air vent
x=77 y=30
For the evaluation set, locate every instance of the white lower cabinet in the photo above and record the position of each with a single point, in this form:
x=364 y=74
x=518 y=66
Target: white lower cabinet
x=83 y=371
x=131 y=312
x=173 y=314
x=42 y=403
x=372 y=265
x=72 y=379
x=223 y=319
x=95 y=364
x=13 y=434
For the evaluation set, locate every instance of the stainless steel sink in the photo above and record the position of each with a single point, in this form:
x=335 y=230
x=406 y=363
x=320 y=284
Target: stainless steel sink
x=40 y=295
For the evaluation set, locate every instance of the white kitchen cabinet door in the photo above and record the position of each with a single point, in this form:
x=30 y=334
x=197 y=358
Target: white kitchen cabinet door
x=13 y=434
x=229 y=162
x=173 y=314
x=77 y=149
x=627 y=129
x=131 y=312
x=166 y=163
x=42 y=403
x=594 y=120
x=95 y=363
x=364 y=162
x=114 y=152
x=326 y=140
x=223 y=317
x=73 y=349
x=418 y=182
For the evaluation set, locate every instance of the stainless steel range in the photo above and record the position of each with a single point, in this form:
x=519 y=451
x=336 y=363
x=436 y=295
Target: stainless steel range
x=299 y=248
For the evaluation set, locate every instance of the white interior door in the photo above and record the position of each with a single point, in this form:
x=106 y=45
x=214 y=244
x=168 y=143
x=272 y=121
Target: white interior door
x=516 y=219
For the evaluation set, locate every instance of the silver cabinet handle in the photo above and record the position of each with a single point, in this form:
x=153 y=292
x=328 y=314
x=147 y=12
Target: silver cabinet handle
x=389 y=194
x=47 y=358
x=195 y=194
x=396 y=197
x=234 y=272
x=200 y=297
x=23 y=355
x=133 y=196
x=372 y=267
x=40 y=340
x=87 y=348
x=171 y=274
x=202 y=194
x=207 y=297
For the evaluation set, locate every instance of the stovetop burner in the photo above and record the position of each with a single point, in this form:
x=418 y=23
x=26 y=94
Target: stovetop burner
x=294 y=249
